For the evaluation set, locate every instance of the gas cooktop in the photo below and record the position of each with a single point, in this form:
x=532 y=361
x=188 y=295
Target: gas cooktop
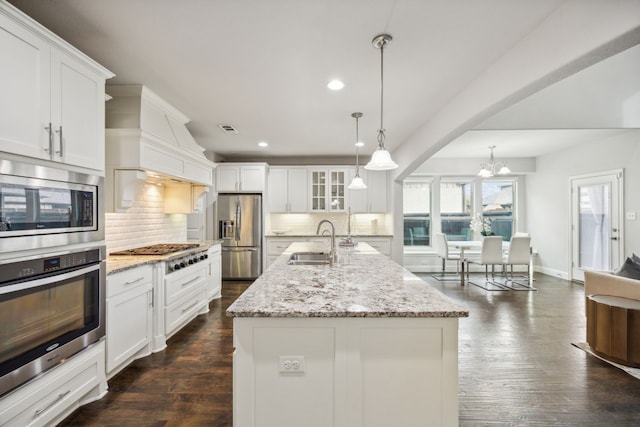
x=159 y=249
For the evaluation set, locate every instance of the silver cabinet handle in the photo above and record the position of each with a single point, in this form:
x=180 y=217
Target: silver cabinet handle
x=187 y=283
x=130 y=282
x=56 y=400
x=61 y=151
x=184 y=310
x=49 y=129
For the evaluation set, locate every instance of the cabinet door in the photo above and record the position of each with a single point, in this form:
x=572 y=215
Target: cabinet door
x=77 y=113
x=297 y=190
x=318 y=190
x=252 y=178
x=377 y=183
x=25 y=88
x=278 y=194
x=128 y=325
x=216 y=276
x=227 y=178
x=338 y=189
x=358 y=199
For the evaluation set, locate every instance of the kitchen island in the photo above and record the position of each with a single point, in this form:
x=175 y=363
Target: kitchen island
x=361 y=343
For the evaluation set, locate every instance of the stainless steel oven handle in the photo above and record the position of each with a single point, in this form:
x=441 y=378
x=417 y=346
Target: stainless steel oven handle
x=29 y=284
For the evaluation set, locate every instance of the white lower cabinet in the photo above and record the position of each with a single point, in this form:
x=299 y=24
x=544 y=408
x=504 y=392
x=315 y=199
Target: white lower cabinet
x=49 y=398
x=129 y=317
x=345 y=372
x=277 y=245
x=380 y=244
x=214 y=284
x=185 y=296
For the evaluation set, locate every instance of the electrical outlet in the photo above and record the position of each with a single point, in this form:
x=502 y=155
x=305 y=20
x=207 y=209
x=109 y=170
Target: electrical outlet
x=292 y=364
x=631 y=216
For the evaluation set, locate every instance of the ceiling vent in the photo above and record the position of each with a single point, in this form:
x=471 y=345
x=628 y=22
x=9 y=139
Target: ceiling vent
x=228 y=129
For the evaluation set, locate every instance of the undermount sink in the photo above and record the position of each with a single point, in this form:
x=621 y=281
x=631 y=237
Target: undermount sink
x=309 y=258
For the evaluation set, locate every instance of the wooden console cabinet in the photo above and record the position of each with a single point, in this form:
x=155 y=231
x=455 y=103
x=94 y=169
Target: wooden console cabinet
x=613 y=328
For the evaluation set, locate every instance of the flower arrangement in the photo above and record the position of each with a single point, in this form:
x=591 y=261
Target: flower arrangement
x=481 y=225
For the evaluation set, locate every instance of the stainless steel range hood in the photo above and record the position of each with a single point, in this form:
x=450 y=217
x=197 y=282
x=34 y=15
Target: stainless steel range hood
x=147 y=141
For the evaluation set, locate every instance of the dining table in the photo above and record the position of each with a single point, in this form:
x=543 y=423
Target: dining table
x=466 y=245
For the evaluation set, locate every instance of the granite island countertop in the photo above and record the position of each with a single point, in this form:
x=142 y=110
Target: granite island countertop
x=364 y=283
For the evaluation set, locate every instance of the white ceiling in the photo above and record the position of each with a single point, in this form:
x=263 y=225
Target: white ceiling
x=262 y=66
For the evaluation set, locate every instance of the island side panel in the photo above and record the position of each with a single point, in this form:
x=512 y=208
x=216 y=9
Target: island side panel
x=358 y=372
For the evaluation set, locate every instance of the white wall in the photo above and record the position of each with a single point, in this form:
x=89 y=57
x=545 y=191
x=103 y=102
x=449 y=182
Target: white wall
x=548 y=198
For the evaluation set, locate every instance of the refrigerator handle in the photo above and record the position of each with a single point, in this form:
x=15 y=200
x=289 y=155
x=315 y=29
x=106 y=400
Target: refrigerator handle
x=238 y=223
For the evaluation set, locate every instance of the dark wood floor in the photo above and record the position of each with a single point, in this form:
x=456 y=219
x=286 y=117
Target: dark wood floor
x=517 y=368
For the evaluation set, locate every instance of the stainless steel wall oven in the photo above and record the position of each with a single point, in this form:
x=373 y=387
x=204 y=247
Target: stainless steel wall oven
x=42 y=206
x=51 y=307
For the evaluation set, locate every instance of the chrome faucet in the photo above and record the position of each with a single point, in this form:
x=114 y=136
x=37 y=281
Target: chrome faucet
x=333 y=254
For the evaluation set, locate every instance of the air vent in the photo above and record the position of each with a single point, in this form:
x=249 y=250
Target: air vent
x=228 y=129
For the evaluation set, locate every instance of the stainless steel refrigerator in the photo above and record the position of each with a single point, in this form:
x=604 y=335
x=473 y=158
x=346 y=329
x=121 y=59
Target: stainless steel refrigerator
x=238 y=223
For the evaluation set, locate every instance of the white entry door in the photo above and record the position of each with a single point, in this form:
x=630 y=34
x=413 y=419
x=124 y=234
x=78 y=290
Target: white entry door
x=596 y=222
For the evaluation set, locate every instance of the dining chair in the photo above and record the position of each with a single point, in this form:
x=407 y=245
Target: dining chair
x=441 y=246
x=519 y=254
x=490 y=255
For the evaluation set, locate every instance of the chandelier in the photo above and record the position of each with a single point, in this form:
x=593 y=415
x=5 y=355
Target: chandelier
x=492 y=167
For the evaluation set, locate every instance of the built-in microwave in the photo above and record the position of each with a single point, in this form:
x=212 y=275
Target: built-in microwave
x=42 y=207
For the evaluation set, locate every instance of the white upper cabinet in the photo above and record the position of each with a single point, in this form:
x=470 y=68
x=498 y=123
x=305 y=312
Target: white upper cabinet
x=288 y=190
x=52 y=103
x=328 y=189
x=374 y=199
x=235 y=177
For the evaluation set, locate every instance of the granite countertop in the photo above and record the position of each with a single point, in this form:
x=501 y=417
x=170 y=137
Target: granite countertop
x=118 y=263
x=364 y=283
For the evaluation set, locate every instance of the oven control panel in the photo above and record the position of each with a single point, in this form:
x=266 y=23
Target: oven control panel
x=185 y=261
x=33 y=267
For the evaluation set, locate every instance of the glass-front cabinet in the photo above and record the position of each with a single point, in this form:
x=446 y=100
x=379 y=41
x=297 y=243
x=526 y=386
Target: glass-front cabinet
x=328 y=189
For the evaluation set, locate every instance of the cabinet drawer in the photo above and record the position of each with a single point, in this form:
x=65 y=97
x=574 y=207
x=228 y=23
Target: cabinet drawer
x=277 y=246
x=182 y=282
x=183 y=310
x=59 y=390
x=381 y=245
x=129 y=279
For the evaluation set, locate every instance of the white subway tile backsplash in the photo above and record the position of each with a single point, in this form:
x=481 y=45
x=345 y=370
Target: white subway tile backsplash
x=145 y=223
x=308 y=223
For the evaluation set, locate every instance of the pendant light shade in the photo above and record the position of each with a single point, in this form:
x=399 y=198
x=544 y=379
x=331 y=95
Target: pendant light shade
x=357 y=183
x=381 y=159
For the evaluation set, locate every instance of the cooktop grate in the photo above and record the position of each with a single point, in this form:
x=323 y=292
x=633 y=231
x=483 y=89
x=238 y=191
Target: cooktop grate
x=159 y=249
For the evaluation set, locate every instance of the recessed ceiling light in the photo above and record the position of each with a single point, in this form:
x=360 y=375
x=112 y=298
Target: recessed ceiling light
x=263 y=144
x=359 y=144
x=335 y=85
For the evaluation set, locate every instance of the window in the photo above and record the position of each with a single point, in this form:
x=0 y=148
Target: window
x=417 y=212
x=497 y=207
x=456 y=209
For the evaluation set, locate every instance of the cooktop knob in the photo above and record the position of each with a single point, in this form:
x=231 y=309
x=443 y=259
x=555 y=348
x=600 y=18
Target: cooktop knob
x=175 y=267
x=190 y=261
x=183 y=265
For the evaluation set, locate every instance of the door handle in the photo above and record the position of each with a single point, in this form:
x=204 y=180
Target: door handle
x=614 y=238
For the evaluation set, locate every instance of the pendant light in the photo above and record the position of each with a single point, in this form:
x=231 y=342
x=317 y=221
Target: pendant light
x=381 y=159
x=357 y=183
